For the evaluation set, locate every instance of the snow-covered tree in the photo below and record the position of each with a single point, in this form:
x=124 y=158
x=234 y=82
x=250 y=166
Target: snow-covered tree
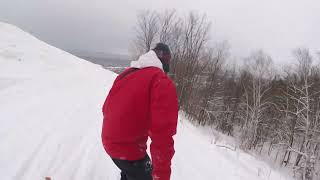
x=255 y=104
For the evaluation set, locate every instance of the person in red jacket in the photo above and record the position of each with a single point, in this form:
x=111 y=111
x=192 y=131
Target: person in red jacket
x=142 y=103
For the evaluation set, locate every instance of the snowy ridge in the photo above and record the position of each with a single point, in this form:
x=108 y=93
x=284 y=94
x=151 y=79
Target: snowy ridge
x=28 y=56
x=50 y=115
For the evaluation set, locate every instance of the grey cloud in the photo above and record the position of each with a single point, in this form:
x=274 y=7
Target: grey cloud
x=104 y=25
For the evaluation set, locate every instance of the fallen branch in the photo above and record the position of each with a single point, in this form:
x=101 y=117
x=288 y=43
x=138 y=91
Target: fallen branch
x=227 y=147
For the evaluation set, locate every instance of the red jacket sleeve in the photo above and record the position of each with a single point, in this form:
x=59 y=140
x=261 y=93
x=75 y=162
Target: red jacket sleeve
x=164 y=116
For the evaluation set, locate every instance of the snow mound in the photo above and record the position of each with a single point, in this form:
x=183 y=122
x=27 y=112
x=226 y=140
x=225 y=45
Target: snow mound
x=50 y=116
x=28 y=56
x=50 y=113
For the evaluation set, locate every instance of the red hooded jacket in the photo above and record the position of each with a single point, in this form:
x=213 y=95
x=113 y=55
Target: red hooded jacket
x=142 y=103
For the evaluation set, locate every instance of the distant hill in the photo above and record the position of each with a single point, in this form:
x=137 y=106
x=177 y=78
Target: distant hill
x=103 y=58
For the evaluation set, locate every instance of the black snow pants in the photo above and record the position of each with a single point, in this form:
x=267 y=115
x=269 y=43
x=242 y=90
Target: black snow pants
x=135 y=170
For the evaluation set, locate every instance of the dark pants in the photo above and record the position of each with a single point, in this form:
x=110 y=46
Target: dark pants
x=135 y=170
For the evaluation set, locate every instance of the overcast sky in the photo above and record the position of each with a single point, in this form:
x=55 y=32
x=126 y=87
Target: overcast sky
x=277 y=26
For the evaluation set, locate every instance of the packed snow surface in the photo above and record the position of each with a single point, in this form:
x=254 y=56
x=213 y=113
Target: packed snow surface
x=50 y=115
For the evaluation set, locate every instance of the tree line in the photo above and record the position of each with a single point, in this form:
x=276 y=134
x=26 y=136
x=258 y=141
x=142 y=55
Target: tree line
x=267 y=111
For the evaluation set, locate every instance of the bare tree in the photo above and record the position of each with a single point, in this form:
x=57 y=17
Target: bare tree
x=146 y=30
x=195 y=34
x=212 y=91
x=171 y=34
x=167 y=25
x=255 y=103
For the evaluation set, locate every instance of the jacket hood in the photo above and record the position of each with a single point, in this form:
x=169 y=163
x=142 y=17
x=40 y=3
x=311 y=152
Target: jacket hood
x=148 y=59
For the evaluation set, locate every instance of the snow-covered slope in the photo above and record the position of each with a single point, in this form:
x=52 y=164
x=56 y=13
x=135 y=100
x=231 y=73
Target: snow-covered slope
x=51 y=120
